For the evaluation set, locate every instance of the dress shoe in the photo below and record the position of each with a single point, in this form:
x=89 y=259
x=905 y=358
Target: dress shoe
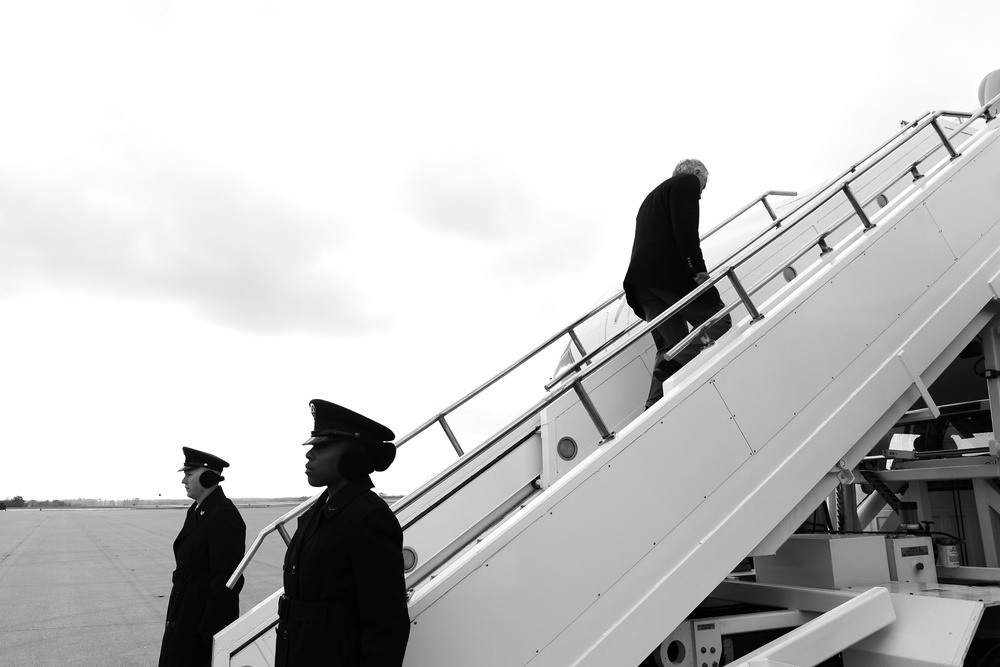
x=664 y=368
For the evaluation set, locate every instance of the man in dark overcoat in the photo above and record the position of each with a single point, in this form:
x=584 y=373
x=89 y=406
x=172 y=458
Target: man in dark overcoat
x=344 y=600
x=207 y=551
x=667 y=264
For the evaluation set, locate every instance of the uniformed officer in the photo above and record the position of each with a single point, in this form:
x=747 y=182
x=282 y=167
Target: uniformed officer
x=344 y=599
x=207 y=551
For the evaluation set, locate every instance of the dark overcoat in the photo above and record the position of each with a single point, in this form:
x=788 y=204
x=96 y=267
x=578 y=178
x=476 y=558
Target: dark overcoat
x=666 y=251
x=345 y=595
x=207 y=552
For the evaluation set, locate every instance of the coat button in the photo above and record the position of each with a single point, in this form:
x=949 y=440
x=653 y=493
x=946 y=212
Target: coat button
x=284 y=634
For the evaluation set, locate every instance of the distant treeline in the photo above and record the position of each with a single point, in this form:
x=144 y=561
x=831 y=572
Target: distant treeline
x=18 y=501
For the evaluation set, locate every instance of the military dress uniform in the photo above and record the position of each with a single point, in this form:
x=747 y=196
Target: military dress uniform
x=339 y=607
x=344 y=600
x=207 y=551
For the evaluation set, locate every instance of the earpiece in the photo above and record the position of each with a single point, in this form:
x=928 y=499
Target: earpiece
x=355 y=463
x=209 y=478
x=384 y=455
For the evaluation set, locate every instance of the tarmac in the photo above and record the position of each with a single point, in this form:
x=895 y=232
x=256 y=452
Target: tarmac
x=89 y=588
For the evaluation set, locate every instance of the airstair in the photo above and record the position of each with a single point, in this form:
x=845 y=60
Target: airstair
x=586 y=530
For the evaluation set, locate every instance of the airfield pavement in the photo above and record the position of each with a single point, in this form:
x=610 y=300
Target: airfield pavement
x=89 y=588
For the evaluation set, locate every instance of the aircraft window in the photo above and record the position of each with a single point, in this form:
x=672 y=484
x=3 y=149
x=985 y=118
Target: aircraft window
x=567 y=449
x=409 y=559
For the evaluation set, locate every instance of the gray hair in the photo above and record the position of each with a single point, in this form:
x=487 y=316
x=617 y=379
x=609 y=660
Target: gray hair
x=690 y=166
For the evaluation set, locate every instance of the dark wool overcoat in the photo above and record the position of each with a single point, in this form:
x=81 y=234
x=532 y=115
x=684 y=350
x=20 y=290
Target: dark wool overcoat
x=207 y=552
x=666 y=252
x=345 y=593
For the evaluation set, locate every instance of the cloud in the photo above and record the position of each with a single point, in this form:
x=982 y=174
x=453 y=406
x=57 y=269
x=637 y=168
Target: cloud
x=473 y=197
x=498 y=222
x=233 y=254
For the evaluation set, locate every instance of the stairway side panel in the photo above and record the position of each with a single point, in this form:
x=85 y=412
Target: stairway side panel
x=681 y=570
x=619 y=393
x=433 y=536
x=847 y=312
x=968 y=204
x=774 y=492
x=660 y=478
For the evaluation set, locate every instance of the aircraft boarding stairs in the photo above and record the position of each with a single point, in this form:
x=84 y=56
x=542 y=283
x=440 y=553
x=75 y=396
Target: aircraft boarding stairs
x=585 y=531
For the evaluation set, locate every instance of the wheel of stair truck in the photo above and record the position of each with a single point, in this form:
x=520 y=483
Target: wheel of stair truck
x=983 y=653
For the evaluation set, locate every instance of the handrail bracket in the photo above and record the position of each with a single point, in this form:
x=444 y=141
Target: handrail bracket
x=591 y=409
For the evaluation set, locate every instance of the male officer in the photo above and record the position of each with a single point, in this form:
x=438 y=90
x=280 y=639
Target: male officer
x=667 y=264
x=207 y=550
x=344 y=600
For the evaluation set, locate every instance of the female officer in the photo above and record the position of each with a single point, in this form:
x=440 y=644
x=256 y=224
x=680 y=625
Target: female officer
x=344 y=601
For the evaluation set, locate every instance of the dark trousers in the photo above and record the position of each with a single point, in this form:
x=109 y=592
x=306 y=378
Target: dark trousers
x=671 y=331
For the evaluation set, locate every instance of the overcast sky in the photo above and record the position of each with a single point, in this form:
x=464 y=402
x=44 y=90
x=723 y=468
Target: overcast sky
x=213 y=212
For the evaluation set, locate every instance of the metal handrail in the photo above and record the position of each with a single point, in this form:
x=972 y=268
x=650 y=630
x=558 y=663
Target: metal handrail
x=761 y=199
x=276 y=525
x=909 y=128
x=913 y=128
x=588 y=359
x=561 y=384
x=777 y=223
x=439 y=418
x=570 y=330
x=833 y=188
x=916 y=127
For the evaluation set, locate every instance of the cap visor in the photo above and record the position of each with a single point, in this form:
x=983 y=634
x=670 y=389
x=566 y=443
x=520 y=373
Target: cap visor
x=316 y=440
